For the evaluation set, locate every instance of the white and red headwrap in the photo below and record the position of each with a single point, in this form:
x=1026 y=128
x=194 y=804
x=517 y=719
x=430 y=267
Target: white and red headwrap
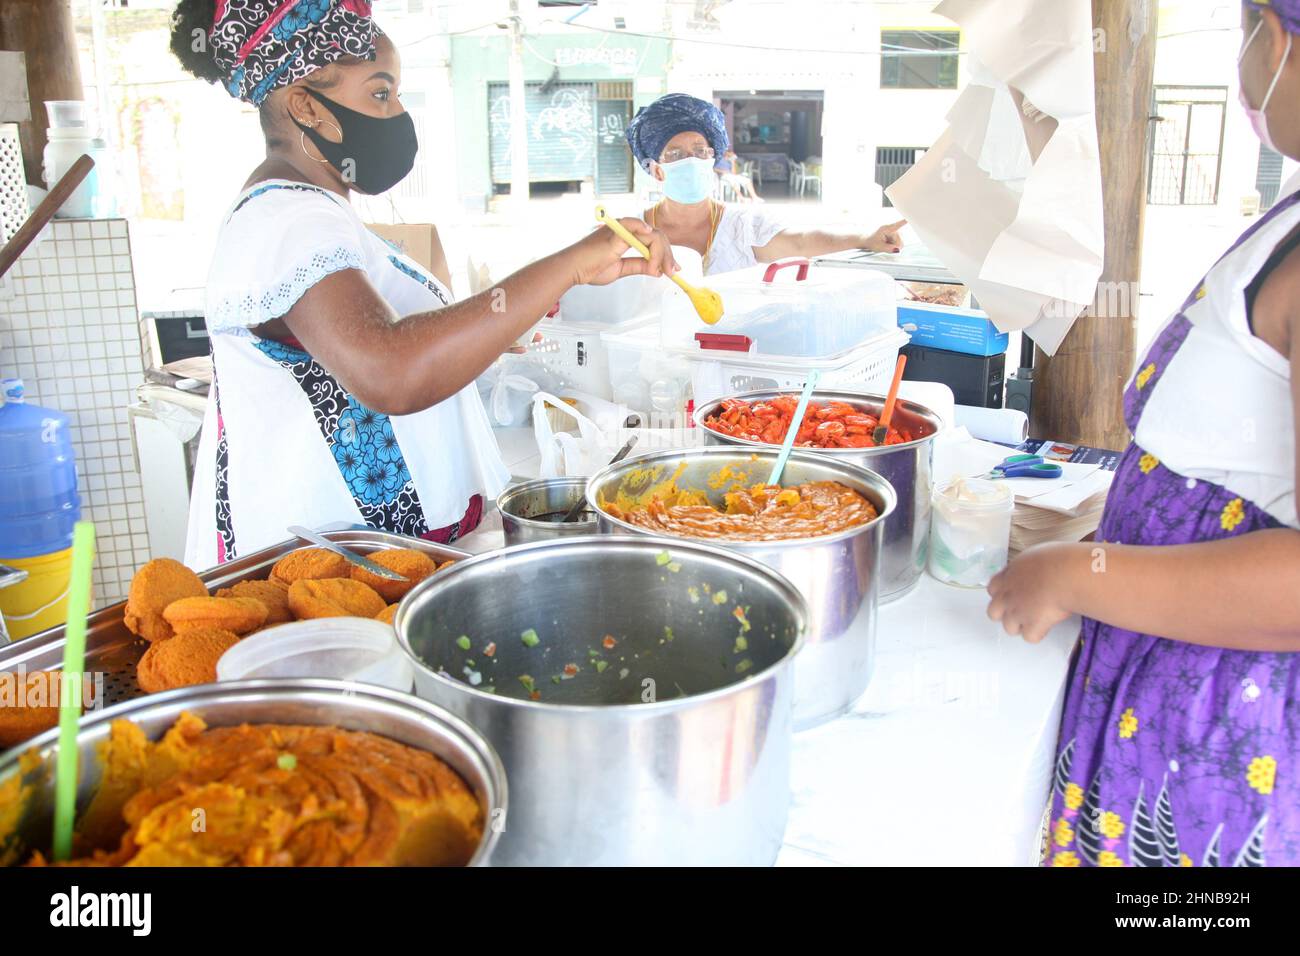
x=262 y=45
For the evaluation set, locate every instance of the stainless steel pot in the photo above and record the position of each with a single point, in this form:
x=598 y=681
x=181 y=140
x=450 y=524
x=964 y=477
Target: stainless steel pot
x=345 y=704
x=907 y=467
x=670 y=745
x=523 y=507
x=837 y=574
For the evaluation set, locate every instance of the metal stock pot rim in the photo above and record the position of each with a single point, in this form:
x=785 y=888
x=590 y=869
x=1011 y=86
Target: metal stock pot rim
x=708 y=408
x=466 y=738
x=534 y=484
x=876 y=482
x=791 y=594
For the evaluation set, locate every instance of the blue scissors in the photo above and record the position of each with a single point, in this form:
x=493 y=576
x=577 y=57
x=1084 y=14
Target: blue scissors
x=1025 y=466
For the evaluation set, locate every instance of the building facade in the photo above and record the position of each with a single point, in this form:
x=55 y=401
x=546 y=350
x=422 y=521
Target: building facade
x=581 y=89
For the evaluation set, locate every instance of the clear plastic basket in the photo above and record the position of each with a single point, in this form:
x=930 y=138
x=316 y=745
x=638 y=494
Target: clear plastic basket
x=577 y=356
x=867 y=367
x=788 y=311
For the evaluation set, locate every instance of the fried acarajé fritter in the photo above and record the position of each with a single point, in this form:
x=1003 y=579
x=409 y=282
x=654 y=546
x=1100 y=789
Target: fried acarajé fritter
x=273 y=594
x=155 y=586
x=188 y=658
x=309 y=564
x=29 y=704
x=387 y=614
x=238 y=614
x=334 y=597
x=413 y=565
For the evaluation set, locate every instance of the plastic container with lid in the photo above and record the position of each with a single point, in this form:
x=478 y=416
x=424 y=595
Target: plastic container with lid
x=644 y=377
x=970 y=531
x=68 y=137
x=64 y=147
x=347 y=648
x=786 y=312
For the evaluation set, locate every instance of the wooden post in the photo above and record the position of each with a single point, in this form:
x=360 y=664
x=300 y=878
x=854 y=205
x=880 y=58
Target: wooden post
x=1078 y=393
x=42 y=29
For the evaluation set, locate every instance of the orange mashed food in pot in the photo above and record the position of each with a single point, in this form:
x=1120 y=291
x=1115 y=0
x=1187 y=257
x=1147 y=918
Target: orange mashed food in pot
x=758 y=513
x=274 y=795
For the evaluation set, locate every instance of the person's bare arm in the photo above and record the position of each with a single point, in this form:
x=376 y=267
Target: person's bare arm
x=1241 y=593
x=399 y=368
x=816 y=242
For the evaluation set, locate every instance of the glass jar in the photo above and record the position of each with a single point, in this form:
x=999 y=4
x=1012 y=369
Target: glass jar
x=970 y=532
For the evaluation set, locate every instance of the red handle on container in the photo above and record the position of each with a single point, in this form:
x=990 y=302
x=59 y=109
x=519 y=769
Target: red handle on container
x=718 y=342
x=776 y=267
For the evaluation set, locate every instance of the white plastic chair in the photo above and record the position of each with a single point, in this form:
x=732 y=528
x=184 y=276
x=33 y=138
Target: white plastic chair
x=807 y=179
x=797 y=175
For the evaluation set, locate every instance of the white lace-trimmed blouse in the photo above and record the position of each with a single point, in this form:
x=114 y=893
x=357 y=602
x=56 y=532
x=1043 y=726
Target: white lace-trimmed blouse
x=741 y=229
x=283 y=442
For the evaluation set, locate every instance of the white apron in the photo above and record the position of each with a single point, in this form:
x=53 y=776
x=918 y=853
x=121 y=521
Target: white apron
x=283 y=443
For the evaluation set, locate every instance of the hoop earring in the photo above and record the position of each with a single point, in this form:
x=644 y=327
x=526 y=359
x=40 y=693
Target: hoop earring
x=302 y=140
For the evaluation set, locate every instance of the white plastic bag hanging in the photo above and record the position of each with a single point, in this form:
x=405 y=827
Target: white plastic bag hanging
x=567 y=455
x=511 y=396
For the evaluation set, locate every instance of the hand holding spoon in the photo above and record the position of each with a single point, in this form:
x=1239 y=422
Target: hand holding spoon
x=707 y=302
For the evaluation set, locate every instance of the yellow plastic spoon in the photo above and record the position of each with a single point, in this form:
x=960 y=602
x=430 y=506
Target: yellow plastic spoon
x=707 y=302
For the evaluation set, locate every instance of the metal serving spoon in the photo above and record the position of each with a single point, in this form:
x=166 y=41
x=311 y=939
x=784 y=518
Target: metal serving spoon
x=321 y=542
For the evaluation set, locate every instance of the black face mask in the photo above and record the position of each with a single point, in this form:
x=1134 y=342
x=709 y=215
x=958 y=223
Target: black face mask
x=375 y=155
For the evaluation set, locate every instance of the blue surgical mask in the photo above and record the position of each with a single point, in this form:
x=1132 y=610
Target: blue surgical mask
x=689 y=180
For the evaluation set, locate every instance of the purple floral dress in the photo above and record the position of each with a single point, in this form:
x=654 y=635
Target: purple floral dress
x=1174 y=754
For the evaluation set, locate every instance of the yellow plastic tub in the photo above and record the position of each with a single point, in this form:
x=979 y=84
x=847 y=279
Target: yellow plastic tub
x=41 y=601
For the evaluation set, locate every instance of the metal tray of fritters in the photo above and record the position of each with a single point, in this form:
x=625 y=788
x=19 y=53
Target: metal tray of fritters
x=113 y=652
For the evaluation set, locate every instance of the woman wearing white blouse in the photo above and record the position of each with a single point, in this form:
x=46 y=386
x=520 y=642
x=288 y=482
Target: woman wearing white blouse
x=343 y=372
x=676 y=139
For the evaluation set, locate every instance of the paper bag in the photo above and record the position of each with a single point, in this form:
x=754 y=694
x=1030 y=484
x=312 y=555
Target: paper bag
x=1009 y=198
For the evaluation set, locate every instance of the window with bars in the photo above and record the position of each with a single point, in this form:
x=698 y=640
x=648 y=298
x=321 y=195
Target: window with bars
x=919 y=59
x=1186 y=145
x=893 y=161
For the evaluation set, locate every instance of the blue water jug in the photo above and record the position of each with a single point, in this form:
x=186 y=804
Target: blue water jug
x=39 y=503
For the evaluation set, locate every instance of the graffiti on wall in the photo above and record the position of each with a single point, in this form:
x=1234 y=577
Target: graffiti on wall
x=566 y=123
x=611 y=129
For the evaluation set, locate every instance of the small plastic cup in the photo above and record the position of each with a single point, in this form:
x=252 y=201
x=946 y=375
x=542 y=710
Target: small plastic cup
x=65 y=114
x=970 y=531
x=346 y=648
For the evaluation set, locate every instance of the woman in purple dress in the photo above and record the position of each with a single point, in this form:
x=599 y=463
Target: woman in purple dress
x=1180 y=740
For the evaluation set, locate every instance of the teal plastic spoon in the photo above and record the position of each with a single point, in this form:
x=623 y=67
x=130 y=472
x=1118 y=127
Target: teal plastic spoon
x=788 y=445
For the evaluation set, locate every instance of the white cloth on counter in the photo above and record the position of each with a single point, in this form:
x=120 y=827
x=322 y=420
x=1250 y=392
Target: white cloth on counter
x=283 y=443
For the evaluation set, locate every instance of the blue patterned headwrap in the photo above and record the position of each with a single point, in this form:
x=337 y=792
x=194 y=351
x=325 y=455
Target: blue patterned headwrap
x=654 y=125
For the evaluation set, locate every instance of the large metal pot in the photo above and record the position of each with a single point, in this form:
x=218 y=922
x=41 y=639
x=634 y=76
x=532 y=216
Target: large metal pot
x=526 y=510
x=837 y=574
x=907 y=467
x=346 y=704
x=670 y=747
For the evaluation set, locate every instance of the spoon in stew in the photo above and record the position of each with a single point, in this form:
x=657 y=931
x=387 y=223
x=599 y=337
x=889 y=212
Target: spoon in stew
x=580 y=505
